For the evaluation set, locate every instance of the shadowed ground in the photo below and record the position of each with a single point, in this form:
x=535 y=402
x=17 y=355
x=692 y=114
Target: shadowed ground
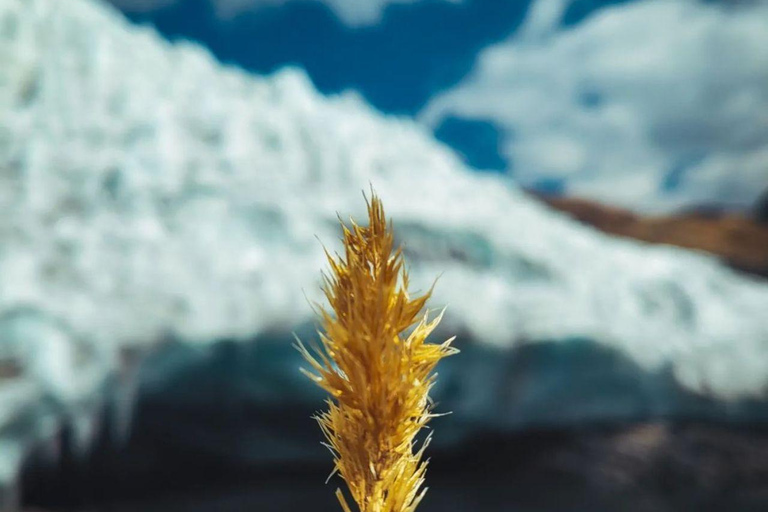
x=547 y=427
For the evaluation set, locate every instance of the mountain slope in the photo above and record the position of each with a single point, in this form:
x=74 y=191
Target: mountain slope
x=736 y=239
x=154 y=192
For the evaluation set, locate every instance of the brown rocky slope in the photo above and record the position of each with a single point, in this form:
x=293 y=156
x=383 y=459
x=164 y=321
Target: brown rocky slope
x=740 y=241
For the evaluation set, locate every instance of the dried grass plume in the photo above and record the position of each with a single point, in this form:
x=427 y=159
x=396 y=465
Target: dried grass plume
x=375 y=363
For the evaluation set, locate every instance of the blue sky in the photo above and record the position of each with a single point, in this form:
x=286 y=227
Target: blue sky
x=397 y=64
x=654 y=105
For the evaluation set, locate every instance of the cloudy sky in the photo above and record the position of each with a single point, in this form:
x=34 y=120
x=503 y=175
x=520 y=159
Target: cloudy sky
x=355 y=13
x=654 y=105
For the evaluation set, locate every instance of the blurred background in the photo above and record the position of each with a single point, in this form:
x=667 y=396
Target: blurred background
x=589 y=179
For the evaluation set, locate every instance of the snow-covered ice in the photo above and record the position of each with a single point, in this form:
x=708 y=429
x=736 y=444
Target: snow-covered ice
x=149 y=190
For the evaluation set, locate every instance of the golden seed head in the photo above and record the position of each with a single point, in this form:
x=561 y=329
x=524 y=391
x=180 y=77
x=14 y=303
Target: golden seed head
x=378 y=377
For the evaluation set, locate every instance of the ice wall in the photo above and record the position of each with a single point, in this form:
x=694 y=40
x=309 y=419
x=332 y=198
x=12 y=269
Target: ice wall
x=148 y=190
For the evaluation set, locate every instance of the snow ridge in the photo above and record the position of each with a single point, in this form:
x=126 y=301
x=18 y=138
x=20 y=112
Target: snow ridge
x=149 y=190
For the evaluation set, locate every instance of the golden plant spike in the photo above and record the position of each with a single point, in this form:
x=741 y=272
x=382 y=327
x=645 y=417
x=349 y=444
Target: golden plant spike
x=375 y=363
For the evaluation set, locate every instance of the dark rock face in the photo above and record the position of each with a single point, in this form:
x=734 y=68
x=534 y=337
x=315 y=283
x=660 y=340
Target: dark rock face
x=761 y=209
x=740 y=241
x=549 y=426
x=644 y=467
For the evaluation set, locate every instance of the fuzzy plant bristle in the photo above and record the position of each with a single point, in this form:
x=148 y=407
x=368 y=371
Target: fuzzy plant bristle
x=374 y=361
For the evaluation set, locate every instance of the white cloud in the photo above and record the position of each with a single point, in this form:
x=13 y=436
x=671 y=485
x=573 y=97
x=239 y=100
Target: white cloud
x=653 y=105
x=352 y=12
x=142 y=5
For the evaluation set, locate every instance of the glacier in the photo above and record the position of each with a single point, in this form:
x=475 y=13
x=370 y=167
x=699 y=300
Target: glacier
x=150 y=192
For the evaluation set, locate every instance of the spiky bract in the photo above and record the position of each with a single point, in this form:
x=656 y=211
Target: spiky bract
x=377 y=367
